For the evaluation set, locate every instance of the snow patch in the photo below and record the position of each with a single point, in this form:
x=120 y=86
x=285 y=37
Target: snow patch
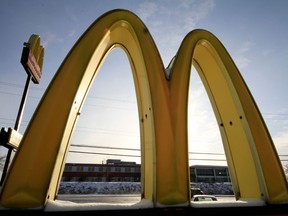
x=59 y=205
x=132 y=188
x=99 y=188
x=239 y=203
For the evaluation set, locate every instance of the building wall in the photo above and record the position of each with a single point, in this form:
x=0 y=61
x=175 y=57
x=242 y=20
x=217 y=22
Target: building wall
x=209 y=174
x=112 y=172
x=120 y=171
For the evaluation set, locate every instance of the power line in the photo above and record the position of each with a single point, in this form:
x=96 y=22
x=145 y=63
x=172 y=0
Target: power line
x=129 y=155
x=98 y=153
x=105 y=131
x=103 y=98
x=20 y=86
x=16 y=94
x=206 y=159
x=133 y=149
x=206 y=153
x=89 y=97
x=104 y=147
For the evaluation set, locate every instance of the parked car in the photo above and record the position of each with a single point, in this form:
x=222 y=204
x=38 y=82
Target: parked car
x=196 y=191
x=202 y=197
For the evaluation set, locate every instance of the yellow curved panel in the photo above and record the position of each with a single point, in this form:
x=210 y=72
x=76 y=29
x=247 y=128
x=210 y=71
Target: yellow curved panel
x=249 y=149
x=41 y=156
x=162 y=105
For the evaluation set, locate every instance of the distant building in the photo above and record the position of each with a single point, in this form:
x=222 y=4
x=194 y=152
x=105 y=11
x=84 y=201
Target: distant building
x=112 y=171
x=209 y=174
x=123 y=171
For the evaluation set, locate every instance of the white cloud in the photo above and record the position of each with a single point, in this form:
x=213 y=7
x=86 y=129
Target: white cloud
x=241 y=54
x=146 y=10
x=242 y=62
x=267 y=52
x=48 y=38
x=72 y=33
x=196 y=12
x=169 y=21
x=281 y=141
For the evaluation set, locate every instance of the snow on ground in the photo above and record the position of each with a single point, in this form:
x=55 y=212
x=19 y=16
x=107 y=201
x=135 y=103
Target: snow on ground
x=132 y=188
x=99 y=188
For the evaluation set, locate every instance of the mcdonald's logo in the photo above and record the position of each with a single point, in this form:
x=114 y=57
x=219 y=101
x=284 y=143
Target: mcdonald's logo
x=32 y=58
x=162 y=105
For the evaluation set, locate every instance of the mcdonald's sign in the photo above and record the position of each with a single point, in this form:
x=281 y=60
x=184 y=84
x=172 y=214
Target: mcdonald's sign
x=32 y=58
x=162 y=103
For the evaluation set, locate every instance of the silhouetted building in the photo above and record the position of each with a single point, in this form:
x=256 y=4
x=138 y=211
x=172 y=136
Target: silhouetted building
x=209 y=174
x=112 y=171
x=123 y=171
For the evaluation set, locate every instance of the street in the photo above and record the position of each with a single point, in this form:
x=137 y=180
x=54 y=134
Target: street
x=116 y=198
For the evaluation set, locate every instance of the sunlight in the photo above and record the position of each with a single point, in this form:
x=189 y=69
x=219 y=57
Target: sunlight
x=204 y=137
x=109 y=118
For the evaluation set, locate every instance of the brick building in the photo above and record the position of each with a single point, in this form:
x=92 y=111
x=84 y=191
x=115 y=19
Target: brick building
x=209 y=174
x=123 y=171
x=112 y=171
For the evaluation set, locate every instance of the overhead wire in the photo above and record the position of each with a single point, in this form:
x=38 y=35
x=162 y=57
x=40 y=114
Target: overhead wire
x=102 y=131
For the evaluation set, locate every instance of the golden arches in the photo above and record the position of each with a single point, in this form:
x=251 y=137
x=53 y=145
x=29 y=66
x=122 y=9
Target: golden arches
x=36 y=49
x=33 y=57
x=162 y=108
x=249 y=149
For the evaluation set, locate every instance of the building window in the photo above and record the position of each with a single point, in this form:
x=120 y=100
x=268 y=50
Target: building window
x=90 y=169
x=205 y=172
x=206 y=179
x=79 y=169
x=221 y=172
x=137 y=169
x=68 y=169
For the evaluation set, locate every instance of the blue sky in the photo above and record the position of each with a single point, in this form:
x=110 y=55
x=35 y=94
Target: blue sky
x=254 y=32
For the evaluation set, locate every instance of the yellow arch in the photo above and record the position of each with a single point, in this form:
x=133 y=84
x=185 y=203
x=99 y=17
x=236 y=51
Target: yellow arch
x=162 y=105
x=44 y=145
x=253 y=162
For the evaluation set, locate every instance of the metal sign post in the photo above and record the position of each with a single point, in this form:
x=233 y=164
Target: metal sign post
x=22 y=104
x=32 y=61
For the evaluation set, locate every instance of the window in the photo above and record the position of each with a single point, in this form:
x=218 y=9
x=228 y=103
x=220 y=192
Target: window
x=79 y=169
x=68 y=169
x=127 y=169
x=90 y=169
x=205 y=172
x=221 y=172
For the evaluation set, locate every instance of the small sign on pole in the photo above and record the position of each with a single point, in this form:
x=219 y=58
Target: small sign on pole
x=32 y=58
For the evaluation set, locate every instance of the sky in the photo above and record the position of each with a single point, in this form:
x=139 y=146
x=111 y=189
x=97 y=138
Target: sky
x=254 y=33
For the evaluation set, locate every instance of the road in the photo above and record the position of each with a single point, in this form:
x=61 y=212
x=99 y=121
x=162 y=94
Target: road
x=121 y=199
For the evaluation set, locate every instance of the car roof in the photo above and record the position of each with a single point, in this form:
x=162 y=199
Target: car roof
x=203 y=195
